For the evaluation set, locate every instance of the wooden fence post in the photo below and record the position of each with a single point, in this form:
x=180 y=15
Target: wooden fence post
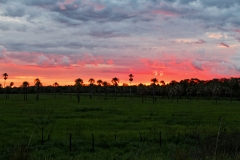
x=70 y=142
x=160 y=138
x=140 y=137
x=92 y=142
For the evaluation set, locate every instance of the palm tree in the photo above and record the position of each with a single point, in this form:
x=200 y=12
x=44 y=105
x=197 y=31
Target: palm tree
x=37 y=84
x=115 y=82
x=78 y=85
x=91 y=81
x=5 y=77
x=130 y=80
x=25 y=85
x=154 y=81
x=162 y=82
x=99 y=82
x=55 y=85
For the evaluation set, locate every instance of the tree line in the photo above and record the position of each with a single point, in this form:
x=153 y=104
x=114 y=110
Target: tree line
x=188 y=88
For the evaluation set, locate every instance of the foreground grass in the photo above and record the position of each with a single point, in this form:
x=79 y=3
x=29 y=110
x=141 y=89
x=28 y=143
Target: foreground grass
x=122 y=129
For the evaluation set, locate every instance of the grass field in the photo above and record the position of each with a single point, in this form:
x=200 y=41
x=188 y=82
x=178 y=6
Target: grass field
x=121 y=129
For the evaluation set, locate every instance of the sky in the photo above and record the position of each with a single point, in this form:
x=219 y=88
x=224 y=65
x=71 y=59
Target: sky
x=62 y=40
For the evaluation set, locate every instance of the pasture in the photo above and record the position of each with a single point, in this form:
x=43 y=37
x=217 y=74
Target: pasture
x=121 y=129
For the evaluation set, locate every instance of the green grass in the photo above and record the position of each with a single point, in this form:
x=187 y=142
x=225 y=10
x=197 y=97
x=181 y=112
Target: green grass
x=186 y=127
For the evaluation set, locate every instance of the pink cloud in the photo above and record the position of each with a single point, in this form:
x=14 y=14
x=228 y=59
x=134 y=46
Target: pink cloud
x=110 y=62
x=62 y=7
x=150 y=63
x=44 y=61
x=237 y=30
x=68 y=1
x=88 y=58
x=163 y=12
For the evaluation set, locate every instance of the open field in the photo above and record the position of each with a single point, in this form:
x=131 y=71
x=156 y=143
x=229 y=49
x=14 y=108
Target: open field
x=121 y=129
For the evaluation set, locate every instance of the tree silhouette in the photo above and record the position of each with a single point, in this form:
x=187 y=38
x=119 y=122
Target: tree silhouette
x=154 y=81
x=115 y=82
x=25 y=86
x=9 y=89
x=78 y=85
x=216 y=89
x=0 y=87
x=130 y=80
x=38 y=85
x=99 y=82
x=55 y=85
x=91 y=81
x=141 y=90
x=5 y=77
x=232 y=82
x=124 y=89
x=105 y=85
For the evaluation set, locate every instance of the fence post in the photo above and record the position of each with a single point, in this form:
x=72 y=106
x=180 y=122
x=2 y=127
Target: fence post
x=70 y=142
x=140 y=137
x=92 y=142
x=160 y=138
x=178 y=137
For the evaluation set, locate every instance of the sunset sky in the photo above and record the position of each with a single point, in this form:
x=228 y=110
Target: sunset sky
x=62 y=40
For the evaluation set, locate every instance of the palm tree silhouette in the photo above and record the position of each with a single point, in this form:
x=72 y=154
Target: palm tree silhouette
x=78 y=85
x=25 y=85
x=162 y=82
x=115 y=82
x=154 y=81
x=55 y=85
x=37 y=84
x=5 y=77
x=99 y=82
x=130 y=80
x=91 y=81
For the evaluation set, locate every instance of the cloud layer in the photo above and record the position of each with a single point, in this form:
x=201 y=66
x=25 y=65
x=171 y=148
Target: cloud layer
x=172 y=39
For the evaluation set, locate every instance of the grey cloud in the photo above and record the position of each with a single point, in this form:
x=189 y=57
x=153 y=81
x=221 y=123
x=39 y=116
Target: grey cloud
x=89 y=14
x=220 y=3
x=14 y=11
x=40 y=2
x=197 y=65
x=4 y=27
x=224 y=45
x=186 y=1
x=3 y=1
x=22 y=28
